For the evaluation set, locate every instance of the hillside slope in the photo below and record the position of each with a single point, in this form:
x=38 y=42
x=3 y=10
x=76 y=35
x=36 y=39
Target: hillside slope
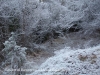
x=72 y=62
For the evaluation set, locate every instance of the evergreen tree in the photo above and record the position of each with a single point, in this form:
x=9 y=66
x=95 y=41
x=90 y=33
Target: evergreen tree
x=14 y=55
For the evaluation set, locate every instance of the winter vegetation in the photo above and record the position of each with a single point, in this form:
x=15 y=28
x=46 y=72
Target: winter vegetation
x=49 y=36
x=13 y=54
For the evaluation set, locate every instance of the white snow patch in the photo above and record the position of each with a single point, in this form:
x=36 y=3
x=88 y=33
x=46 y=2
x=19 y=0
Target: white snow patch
x=72 y=62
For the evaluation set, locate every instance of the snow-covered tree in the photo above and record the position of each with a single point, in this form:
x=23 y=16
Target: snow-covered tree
x=14 y=55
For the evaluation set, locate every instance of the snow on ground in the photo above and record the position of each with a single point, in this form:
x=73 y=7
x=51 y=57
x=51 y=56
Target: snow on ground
x=72 y=62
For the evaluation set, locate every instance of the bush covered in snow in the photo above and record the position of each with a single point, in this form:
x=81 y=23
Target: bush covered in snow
x=14 y=55
x=40 y=19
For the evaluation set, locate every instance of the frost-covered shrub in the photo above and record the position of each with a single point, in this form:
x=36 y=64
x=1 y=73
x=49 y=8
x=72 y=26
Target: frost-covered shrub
x=14 y=54
x=32 y=13
x=48 y=14
x=41 y=35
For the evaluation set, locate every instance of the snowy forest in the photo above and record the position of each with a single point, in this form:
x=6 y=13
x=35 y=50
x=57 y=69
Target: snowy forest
x=49 y=37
